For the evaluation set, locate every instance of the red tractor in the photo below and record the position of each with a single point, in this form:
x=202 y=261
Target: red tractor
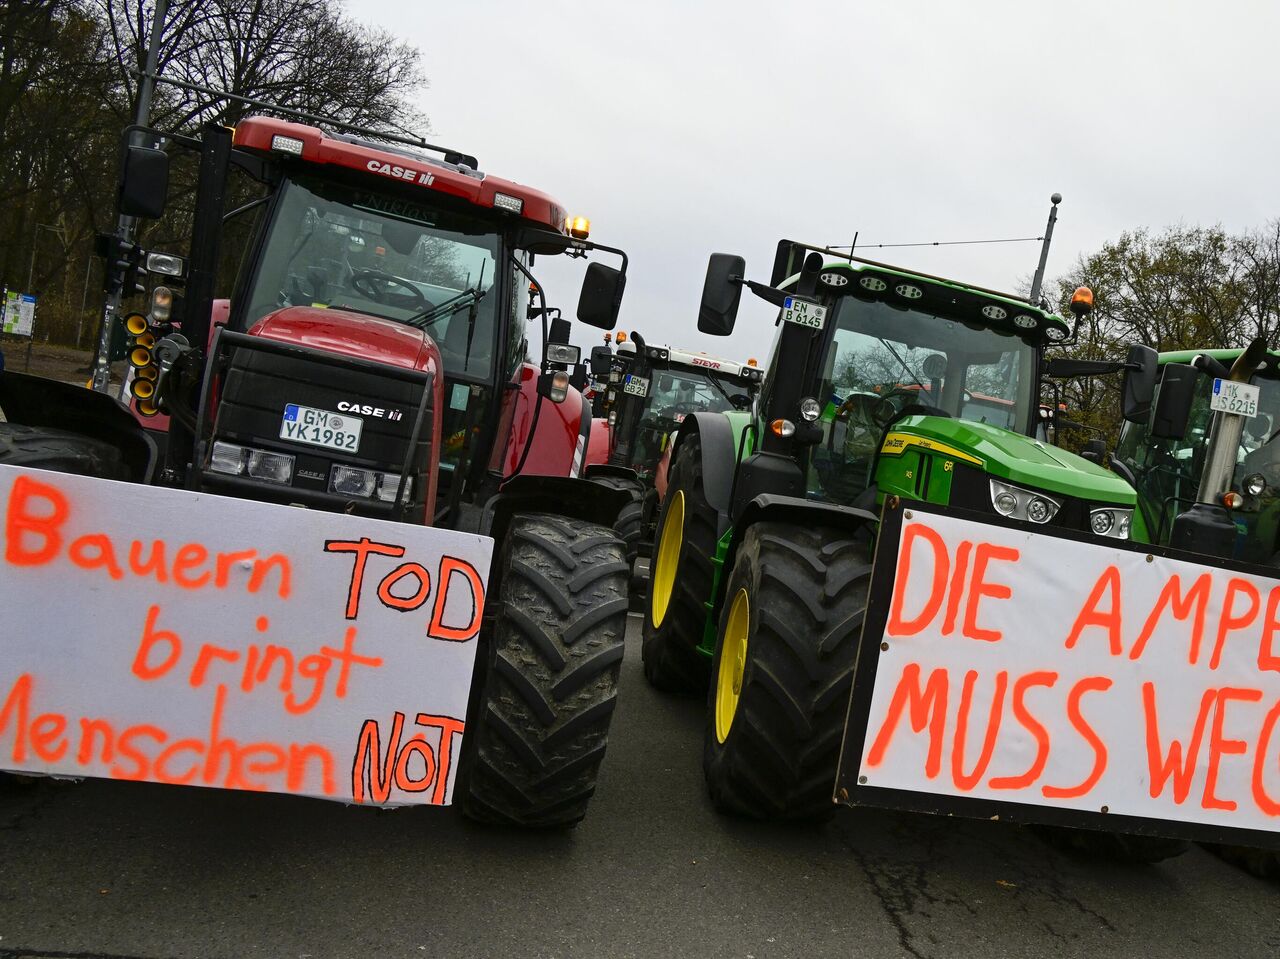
x=371 y=358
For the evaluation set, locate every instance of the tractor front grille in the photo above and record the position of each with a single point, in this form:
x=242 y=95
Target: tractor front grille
x=256 y=380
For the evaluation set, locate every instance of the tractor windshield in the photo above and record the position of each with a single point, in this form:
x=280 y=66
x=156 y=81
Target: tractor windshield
x=673 y=395
x=885 y=362
x=332 y=245
x=1167 y=471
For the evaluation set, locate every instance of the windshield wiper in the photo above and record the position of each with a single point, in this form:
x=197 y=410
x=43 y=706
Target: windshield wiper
x=903 y=364
x=720 y=389
x=449 y=307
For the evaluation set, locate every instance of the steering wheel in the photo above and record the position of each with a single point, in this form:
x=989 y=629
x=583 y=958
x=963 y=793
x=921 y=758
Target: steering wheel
x=886 y=411
x=377 y=286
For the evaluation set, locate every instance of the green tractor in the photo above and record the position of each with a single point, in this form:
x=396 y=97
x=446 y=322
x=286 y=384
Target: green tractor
x=1164 y=452
x=1200 y=446
x=882 y=383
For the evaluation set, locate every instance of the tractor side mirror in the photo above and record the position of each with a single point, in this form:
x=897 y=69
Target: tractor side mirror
x=601 y=296
x=1171 y=408
x=1095 y=451
x=1139 y=383
x=721 y=293
x=560 y=330
x=144 y=182
x=601 y=361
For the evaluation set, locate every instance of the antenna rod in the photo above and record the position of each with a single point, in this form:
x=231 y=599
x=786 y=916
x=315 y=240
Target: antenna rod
x=1036 y=283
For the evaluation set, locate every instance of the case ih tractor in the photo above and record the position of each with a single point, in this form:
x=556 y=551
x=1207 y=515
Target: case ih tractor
x=883 y=385
x=660 y=386
x=371 y=358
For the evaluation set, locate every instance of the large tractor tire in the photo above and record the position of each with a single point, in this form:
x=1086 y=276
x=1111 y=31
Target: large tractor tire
x=59 y=451
x=680 y=579
x=540 y=727
x=625 y=483
x=62 y=452
x=783 y=669
x=629 y=527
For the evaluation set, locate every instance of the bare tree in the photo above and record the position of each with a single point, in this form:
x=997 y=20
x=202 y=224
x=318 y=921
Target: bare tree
x=303 y=54
x=69 y=73
x=1183 y=288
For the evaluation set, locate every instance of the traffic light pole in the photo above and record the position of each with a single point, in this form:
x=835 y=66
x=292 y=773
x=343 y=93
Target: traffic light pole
x=126 y=225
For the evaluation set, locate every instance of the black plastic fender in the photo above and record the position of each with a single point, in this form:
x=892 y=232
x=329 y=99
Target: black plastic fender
x=559 y=495
x=42 y=402
x=794 y=510
x=719 y=457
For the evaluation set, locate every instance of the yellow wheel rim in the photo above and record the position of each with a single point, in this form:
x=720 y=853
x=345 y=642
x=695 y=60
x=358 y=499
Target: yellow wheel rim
x=733 y=663
x=662 y=581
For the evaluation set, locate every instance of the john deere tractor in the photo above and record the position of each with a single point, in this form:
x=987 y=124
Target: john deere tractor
x=883 y=382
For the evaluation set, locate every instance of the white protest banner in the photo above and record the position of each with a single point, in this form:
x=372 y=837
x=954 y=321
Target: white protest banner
x=176 y=637
x=1019 y=667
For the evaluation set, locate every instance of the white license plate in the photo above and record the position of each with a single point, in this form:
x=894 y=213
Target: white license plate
x=333 y=431
x=1231 y=397
x=636 y=385
x=804 y=314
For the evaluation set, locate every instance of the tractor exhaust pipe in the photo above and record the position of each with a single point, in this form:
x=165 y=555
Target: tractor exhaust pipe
x=1038 y=281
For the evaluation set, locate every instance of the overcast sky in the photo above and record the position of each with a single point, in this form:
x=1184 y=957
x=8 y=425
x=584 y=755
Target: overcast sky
x=685 y=128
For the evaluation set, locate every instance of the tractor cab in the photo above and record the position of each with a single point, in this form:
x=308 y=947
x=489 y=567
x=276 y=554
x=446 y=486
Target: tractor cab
x=660 y=387
x=886 y=382
x=1166 y=466
x=380 y=308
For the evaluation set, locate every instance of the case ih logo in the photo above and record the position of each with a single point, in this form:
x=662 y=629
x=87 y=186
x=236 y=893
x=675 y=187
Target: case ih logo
x=400 y=172
x=709 y=364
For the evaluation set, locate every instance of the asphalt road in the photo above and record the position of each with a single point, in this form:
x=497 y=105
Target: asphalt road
x=106 y=870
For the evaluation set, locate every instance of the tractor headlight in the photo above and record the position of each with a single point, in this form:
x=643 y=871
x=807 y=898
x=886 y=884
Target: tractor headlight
x=388 y=483
x=563 y=353
x=166 y=264
x=352 y=481
x=559 y=387
x=236 y=460
x=272 y=467
x=810 y=410
x=1111 y=522
x=161 y=304
x=1039 y=510
x=227 y=458
x=1018 y=503
x=1255 y=484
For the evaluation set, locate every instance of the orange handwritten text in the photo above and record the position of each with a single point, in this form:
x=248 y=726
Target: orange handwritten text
x=35 y=535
